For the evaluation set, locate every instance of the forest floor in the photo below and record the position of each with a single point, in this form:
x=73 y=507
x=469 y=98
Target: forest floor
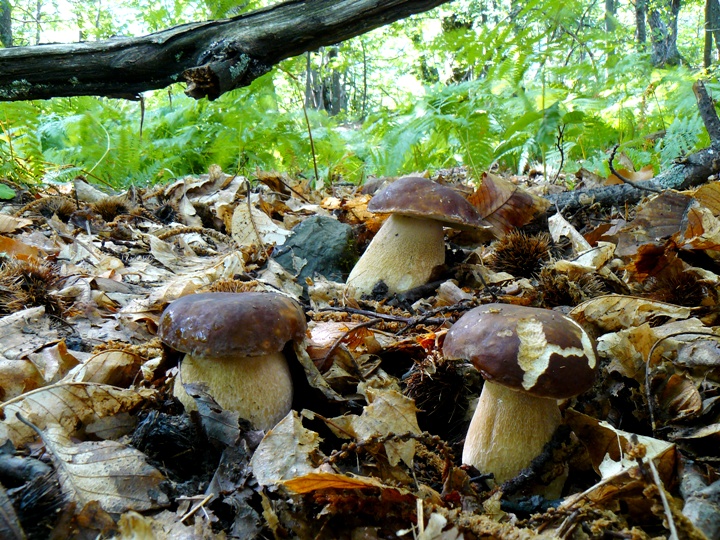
x=96 y=445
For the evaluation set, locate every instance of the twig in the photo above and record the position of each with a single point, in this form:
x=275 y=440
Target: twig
x=636 y=185
x=559 y=146
x=252 y=220
x=211 y=233
x=197 y=507
x=384 y=316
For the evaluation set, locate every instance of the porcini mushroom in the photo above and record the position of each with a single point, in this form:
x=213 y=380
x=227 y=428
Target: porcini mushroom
x=529 y=358
x=233 y=343
x=410 y=244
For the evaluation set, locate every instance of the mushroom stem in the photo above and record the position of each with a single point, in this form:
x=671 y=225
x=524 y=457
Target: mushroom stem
x=258 y=388
x=403 y=254
x=508 y=430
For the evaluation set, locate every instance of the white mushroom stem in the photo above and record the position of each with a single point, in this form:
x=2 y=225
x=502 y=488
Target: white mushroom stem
x=403 y=254
x=508 y=430
x=258 y=388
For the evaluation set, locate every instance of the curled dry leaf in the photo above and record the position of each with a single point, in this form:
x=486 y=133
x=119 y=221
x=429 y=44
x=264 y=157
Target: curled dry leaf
x=10 y=224
x=560 y=227
x=54 y=361
x=113 y=367
x=17 y=249
x=287 y=451
x=71 y=405
x=709 y=196
x=115 y=475
x=317 y=480
x=613 y=454
x=615 y=312
x=628 y=349
x=504 y=205
x=387 y=411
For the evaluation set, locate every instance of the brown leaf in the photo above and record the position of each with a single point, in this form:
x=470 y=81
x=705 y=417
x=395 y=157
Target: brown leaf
x=504 y=205
x=287 y=451
x=388 y=411
x=113 y=367
x=71 y=405
x=115 y=475
x=324 y=480
x=709 y=196
x=10 y=224
x=615 y=311
x=17 y=249
x=644 y=174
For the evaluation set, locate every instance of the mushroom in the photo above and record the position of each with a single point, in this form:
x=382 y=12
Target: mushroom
x=529 y=358
x=410 y=244
x=233 y=343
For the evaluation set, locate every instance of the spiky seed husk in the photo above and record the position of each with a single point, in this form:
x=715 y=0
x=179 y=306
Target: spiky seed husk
x=520 y=254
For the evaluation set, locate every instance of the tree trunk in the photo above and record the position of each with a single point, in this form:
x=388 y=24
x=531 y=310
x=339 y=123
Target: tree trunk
x=712 y=31
x=640 y=24
x=610 y=12
x=6 y=38
x=213 y=57
x=663 y=24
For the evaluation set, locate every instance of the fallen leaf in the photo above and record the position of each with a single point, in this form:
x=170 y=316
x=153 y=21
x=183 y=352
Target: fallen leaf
x=115 y=475
x=615 y=312
x=287 y=451
x=10 y=224
x=504 y=205
x=251 y=226
x=387 y=411
x=71 y=405
x=314 y=481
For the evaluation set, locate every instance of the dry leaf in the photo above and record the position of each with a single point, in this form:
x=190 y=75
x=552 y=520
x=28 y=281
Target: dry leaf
x=71 y=405
x=287 y=451
x=615 y=312
x=314 y=481
x=115 y=475
x=504 y=205
x=54 y=361
x=709 y=196
x=113 y=367
x=10 y=224
x=388 y=411
x=251 y=227
x=559 y=227
x=17 y=249
x=644 y=174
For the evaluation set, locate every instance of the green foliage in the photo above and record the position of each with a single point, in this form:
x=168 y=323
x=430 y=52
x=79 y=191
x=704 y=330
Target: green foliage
x=482 y=84
x=6 y=192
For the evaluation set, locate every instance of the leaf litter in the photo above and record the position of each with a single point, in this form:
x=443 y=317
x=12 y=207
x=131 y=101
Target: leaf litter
x=370 y=449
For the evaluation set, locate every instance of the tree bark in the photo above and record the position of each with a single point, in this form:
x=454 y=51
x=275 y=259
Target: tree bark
x=712 y=31
x=213 y=57
x=6 y=38
x=664 y=26
x=640 y=24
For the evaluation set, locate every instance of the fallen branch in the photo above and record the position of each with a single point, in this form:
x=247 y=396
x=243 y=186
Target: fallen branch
x=213 y=57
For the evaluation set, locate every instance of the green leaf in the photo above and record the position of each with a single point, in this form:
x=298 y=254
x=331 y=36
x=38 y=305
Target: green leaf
x=6 y=192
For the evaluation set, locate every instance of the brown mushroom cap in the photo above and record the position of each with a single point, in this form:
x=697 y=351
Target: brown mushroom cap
x=418 y=197
x=534 y=350
x=222 y=325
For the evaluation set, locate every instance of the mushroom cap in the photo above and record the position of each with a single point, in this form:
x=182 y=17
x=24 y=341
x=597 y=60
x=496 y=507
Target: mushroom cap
x=538 y=351
x=221 y=325
x=418 y=197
